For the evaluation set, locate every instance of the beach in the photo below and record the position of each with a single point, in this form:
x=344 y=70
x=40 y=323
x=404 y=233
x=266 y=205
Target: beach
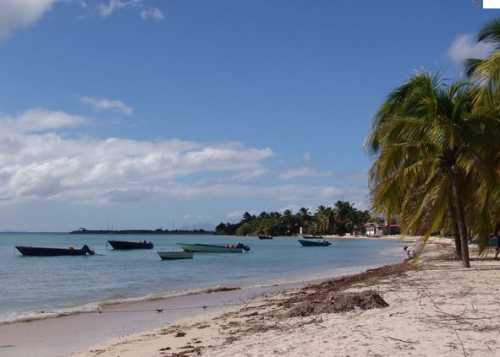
x=435 y=308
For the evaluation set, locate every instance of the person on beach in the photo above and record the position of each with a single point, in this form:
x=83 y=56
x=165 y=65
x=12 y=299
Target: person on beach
x=409 y=253
x=497 y=249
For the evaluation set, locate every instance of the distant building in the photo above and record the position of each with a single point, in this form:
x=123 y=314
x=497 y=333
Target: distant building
x=374 y=229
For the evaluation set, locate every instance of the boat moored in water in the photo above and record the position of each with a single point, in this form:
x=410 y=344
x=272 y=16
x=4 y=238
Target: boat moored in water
x=214 y=248
x=169 y=255
x=314 y=243
x=120 y=244
x=53 y=252
x=266 y=237
x=310 y=237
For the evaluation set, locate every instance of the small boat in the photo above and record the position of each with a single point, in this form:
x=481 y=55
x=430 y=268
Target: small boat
x=266 y=237
x=214 y=248
x=175 y=255
x=311 y=237
x=53 y=252
x=120 y=244
x=314 y=243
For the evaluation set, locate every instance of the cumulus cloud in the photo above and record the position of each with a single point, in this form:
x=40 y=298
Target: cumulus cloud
x=21 y=13
x=35 y=163
x=106 y=104
x=39 y=119
x=16 y=14
x=39 y=163
x=465 y=46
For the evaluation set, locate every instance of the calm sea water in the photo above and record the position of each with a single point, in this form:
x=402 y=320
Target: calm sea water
x=47 y=286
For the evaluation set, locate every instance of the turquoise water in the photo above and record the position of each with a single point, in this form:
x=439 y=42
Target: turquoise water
x=31 y=287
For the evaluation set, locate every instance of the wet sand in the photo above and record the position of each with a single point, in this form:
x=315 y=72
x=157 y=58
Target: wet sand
x=67 y=335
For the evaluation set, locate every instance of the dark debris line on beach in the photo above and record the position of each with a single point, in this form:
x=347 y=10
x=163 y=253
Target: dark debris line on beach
x=328 y=297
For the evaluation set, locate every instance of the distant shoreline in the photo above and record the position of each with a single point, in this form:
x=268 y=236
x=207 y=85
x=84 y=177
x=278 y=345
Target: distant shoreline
x=140 y=231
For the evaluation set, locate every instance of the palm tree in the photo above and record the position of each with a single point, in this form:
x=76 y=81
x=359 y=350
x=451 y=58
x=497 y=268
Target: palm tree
x=342 y=212
x=430 y=145
x=325 y=218
x=486 y=72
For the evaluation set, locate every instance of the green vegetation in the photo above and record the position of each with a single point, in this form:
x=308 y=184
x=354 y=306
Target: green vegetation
x=339 y=219
x=436 y=147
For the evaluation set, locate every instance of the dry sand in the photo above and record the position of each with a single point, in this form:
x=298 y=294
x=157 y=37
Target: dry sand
x=435 y=308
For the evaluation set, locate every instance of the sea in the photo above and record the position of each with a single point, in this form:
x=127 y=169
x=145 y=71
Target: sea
x=43 y=287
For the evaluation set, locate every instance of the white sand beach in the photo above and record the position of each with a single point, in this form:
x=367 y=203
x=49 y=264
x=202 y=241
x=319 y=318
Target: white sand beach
x=436 y=308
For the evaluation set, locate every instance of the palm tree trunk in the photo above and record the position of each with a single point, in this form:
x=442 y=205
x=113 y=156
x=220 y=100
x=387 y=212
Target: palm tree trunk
x=456 y=233
x=460 y=218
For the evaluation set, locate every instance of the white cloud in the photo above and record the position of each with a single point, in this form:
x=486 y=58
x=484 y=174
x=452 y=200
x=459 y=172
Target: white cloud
x=106 y=104
x=115 y=5
x=36 y=120
x=21 y=13
x=301 y=193
x=305 y=171
x=152 y=13
x=465 y=47
x=106 y=10
x=39 y=164
x=16 y=14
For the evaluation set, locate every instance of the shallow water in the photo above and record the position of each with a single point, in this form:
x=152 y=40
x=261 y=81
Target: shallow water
x=32 y=287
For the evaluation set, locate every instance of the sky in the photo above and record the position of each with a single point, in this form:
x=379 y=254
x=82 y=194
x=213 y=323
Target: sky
x=169 y=113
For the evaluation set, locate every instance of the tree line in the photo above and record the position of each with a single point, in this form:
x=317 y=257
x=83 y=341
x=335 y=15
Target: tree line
x=340 y=219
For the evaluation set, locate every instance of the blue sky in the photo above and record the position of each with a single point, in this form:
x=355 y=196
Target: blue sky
x=149 y=113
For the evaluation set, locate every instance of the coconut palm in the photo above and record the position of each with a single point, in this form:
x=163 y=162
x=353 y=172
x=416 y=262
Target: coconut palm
x=486 y=72
x=343 y=215
x=430 y=147
x=325 y=219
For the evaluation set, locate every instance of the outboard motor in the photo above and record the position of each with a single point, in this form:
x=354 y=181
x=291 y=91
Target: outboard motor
x=88 y=250
x=246 y=248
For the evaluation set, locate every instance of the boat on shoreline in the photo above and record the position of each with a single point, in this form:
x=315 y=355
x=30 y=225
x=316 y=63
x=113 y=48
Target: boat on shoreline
x=314 y=243
x=214 y=248
x=266 y=237
x=169 y=255
x=123 y=245
x=53 y=252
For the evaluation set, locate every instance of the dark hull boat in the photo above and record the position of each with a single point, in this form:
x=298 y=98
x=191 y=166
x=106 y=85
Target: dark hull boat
x=214 y=248
x=53 y=252
x=119 y=244
x=314 y=243
x=265 y=237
